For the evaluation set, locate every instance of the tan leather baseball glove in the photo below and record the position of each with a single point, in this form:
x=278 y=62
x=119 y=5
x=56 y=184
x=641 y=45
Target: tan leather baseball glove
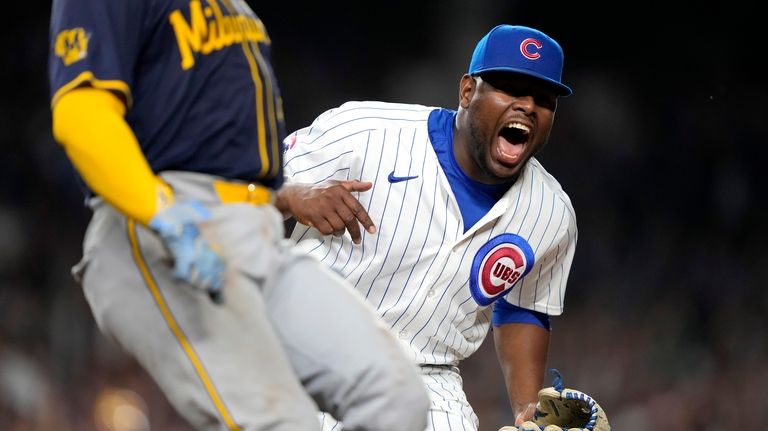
x=560 y=409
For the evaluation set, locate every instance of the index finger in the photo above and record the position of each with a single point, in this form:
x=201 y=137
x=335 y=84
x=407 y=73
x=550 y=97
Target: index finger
x=356 y=186
x=360 y=213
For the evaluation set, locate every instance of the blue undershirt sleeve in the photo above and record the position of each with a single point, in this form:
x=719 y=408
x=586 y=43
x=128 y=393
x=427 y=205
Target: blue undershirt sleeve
x=504 y=312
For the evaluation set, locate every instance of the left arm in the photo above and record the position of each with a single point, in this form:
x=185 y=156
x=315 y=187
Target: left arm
x=521 y=335
x=521 y=349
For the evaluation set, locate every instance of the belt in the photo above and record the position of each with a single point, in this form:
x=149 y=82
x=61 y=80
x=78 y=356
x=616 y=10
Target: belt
x=232 y=193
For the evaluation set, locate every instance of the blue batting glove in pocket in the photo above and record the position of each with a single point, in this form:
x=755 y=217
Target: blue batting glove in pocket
x=195 y=261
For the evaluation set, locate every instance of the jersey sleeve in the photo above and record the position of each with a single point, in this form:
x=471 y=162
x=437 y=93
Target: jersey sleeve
x=504 y=313
x=95 y=43
x=323 y=151
x=543 y=288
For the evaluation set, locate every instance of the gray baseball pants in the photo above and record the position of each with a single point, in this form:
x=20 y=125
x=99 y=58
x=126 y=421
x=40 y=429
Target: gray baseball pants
x=290 y=337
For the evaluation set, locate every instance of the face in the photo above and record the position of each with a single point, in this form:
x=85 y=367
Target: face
x=504 y=120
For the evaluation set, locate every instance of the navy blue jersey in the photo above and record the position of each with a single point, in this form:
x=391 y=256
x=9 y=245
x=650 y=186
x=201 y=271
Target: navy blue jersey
x=195 y=76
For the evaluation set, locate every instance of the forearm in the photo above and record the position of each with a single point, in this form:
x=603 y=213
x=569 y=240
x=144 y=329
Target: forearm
x=89 y=124
x=522 y=353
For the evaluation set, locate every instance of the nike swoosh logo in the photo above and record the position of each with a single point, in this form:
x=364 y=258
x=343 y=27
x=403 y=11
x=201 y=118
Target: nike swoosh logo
x=393 y=179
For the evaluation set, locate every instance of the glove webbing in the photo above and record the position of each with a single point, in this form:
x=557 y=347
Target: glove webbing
x=557 y=383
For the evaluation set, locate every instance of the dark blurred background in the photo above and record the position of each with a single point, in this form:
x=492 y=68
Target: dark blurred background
x=662 y=149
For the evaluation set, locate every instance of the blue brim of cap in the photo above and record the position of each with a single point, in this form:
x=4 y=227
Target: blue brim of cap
x=561 y=89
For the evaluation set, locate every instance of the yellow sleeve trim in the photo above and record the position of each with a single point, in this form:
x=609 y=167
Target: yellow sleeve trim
x=89 y=77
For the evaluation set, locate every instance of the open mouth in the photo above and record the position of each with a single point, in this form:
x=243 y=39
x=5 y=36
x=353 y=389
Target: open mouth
x=511 y=143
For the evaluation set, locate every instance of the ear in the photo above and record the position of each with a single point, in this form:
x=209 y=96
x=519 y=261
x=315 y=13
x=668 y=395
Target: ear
x=466 y=90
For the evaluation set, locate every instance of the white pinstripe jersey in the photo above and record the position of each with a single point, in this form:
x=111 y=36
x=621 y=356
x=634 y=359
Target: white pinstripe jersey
x=419 y=268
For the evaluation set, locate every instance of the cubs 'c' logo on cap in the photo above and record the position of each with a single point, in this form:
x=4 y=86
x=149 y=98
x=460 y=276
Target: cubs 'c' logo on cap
x=498 y=265
x=529 y=48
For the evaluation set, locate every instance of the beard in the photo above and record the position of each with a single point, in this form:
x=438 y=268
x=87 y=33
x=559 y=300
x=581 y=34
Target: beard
x=479 y=151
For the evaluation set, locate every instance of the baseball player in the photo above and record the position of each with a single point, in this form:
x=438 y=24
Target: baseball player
x=171 y=115
x=444 y=220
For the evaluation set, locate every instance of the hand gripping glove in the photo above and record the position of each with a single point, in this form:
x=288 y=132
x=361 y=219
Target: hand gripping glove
x=195 y=261
x=561 y=409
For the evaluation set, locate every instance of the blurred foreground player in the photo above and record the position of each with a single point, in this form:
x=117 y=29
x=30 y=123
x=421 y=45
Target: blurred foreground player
x=171 y=114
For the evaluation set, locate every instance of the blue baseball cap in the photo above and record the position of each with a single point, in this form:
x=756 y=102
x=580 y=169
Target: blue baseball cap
x=519 y=49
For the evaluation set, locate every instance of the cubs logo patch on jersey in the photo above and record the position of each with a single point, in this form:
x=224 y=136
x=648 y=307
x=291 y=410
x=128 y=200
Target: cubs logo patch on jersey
x=498 y=265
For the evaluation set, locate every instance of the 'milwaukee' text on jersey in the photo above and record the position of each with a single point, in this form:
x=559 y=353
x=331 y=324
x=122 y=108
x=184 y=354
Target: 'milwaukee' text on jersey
x=208 y=30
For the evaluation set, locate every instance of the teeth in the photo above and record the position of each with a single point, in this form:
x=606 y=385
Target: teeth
x=518 y=126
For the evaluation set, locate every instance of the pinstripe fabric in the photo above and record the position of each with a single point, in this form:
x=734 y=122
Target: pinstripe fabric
x=450 y=410
x=415 y=270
